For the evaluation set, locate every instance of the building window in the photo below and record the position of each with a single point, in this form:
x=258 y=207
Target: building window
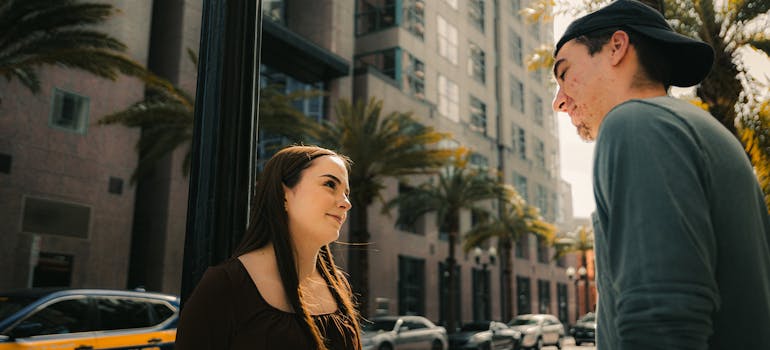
x=542 y=250
x=522 y=247
x=448 y=98
x=452 y=3
x=411 y=286
x=520 y=183
x=539 y=153
x=416 y=78
x=515 y=7
x=476 y=13
x=478 y=161
x=414 y=12
x=517 y=94
x=514 y=41
x=544 y=296
x=447 y=40
x=313 y=107
x=274 y=10
x=477 y=63
x=374 y=15
x=535 y=30
x=556 y=205
x=385 y=62
x=54 y=217
x=537 y=107
x=522 y=141
x=416 y=226
x=478 y=116
x=69 y=111
x=523 y=295
x=561 y=296
x=541 y=199
x=443 y=277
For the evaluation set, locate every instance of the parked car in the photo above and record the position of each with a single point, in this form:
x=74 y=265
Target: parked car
x=584 y=330
x=538 y=330
x=485 y=335
x=87 y=319
x=403 y=332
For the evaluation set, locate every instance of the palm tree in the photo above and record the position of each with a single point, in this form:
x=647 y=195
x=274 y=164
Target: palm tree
x=755 y=134
x=165 y=117
x=516 y=220
x=581 y=241
x=380 y=146
x=34 y=33
x=458 y=187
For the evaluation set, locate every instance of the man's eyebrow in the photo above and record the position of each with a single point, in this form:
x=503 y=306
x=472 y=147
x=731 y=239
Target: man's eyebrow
x=556 y=66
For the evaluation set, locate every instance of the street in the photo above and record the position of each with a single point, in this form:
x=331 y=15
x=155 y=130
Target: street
x=569 y=344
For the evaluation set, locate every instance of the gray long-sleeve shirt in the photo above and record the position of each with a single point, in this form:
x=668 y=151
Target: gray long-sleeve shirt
x=682 y=233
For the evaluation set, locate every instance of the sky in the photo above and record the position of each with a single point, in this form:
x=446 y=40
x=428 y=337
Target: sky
x=576 y=155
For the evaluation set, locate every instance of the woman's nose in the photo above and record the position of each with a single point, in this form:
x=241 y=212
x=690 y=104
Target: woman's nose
x=345 y=203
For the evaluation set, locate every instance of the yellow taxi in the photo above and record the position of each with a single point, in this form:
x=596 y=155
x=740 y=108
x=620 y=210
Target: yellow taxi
x=85 y=319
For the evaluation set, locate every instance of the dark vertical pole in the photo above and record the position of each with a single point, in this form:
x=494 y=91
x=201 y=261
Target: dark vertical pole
x=224 y=135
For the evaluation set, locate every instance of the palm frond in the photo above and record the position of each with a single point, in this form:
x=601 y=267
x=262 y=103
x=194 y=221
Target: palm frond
x=747 y=10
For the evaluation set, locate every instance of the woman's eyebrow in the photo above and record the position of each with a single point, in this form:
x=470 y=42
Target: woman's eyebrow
x=337 y=180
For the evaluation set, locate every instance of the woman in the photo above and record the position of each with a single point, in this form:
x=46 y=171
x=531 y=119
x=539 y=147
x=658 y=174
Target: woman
x=281 y=290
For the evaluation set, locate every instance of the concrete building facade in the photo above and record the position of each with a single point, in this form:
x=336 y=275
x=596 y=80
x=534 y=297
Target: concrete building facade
x=459 y=66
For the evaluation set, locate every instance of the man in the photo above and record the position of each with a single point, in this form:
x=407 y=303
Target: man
x=681 y=228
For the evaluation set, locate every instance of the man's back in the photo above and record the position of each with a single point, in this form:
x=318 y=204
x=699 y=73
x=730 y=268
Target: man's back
x=682 y=232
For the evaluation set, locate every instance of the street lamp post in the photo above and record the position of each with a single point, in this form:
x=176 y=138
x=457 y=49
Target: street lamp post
x=483 y=304
x=571 y=275
x=583 y=273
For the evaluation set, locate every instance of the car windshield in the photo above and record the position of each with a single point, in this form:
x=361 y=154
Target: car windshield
x=475 y=326
x=382 y=325
x=523 y=321
x=588 y=318
x=11 y=304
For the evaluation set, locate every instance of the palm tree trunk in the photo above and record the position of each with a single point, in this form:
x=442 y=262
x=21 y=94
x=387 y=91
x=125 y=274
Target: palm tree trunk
x=451 y=315
x=358 y=255
x=506 y=289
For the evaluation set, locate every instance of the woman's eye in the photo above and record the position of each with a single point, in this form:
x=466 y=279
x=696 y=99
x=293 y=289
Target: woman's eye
x=561 y=76
x=331 y=184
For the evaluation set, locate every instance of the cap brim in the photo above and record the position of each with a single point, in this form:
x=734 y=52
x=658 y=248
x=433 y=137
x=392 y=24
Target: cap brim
x=691 y=59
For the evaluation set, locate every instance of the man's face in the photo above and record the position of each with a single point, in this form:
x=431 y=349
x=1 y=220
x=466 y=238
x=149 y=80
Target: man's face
x=583 y=85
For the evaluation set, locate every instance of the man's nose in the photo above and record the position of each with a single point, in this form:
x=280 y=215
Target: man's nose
x=560 y=101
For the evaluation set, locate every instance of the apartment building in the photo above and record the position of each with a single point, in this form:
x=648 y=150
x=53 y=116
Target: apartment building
x=460 y=66
x=74 y=219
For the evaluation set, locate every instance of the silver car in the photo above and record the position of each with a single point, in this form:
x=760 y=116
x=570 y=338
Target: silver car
x=538 y=330
x=403 y=332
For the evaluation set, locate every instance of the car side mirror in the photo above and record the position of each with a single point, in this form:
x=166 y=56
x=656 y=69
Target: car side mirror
x=403 y=329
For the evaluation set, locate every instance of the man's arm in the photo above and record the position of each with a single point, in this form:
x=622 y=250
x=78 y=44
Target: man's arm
x=649 y=179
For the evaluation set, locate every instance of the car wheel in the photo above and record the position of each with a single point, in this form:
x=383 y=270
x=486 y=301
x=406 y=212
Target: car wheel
x=485 y=346
x=386 y=346
x=539 y=344
x=437 y=345
x=558 y=343
x=577 y=343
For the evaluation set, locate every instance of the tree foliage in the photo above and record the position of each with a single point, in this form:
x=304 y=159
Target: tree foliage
x=35 y=33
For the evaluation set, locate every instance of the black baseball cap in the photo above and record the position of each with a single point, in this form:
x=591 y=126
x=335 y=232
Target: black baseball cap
x=691 y=59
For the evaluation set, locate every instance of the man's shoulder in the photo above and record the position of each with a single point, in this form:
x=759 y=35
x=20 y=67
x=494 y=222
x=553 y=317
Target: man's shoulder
x=643 y=115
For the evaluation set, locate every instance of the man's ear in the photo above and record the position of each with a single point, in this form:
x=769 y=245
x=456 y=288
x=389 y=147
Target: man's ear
x=619 y=44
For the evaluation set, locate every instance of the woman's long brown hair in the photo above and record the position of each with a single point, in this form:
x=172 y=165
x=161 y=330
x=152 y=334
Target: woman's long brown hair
x=269 y=224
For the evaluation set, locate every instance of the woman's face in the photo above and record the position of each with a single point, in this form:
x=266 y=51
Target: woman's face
x=318 y=205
